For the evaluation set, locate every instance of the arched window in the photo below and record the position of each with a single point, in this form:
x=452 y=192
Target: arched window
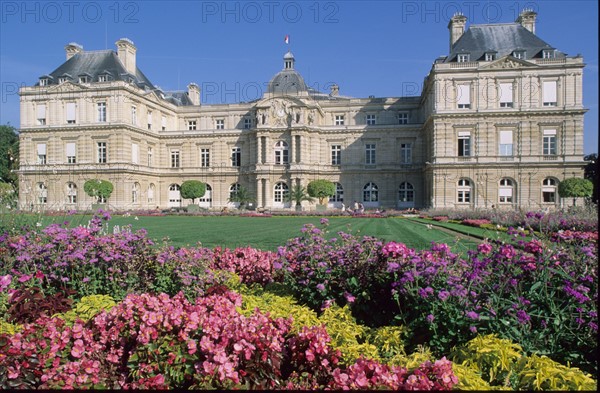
x=406 y=192
x=233 y=190
x=174 y=195
x=207 y=197
x=42 y=192
x=370 y=193
x=71 y=193
x=151 y=189
x=135 y=192
x=281 y=190
x=506 y=191
x=463 y=191
x=281 y=153
x=339 y=193
x=549 y=187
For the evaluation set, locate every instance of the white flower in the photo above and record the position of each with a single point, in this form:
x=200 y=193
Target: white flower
x=38 y=224
x=135 y=218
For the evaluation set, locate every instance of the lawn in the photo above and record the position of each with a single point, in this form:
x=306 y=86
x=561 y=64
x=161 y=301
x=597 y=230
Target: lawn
x=267 y=233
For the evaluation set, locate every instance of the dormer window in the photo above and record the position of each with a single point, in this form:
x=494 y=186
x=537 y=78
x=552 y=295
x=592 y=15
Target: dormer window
x=519 y=54
x=62 y=79
x=490 y=56
x=463 y=57
x=102 y=78
x=84 y=79
x=548 y=54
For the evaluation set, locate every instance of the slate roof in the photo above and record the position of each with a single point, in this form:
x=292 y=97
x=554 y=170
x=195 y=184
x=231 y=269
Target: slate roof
x=504 y=38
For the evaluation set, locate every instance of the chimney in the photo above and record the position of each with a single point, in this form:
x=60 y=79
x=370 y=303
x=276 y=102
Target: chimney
x=73 y=48
x=456 y=27
x=335 y=90
x=126 y=52
x=194 y=93
x=527 y=19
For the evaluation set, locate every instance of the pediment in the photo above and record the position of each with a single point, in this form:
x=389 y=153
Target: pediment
x=286 y=111
x=508 y=62
x=66 y=87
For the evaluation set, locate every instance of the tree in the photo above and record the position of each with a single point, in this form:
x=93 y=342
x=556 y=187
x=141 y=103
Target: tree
x=321 y=189
x=298 y=195
x=100 y=189
x=591 y=172
x=9 y=154
x=192 y=189
x=575 y=187
x=241 y=196
x=8 y=196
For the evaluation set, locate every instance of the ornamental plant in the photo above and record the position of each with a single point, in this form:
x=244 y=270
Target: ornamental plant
x=575 y=187
x=321 y=189
x=192 y=189
x=98 y=188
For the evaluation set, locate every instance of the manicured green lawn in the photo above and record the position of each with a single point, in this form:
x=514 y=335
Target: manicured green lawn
x=267 y=233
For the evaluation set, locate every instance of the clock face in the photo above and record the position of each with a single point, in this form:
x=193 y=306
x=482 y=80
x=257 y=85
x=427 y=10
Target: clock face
x=280 y=112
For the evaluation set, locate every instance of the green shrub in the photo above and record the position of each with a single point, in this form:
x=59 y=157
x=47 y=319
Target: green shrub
x=542 y=373
x=87 y=308
x=192 y=189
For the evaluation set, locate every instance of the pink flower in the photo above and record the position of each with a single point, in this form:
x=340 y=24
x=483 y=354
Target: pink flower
x=25 y=278
x=77 y=350
x=484 y=248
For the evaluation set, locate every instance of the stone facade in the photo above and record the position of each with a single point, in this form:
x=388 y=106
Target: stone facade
x=496 y=130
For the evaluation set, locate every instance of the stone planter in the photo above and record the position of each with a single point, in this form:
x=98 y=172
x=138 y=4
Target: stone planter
x=96 y=206
x=321 y=208
x=193 y=208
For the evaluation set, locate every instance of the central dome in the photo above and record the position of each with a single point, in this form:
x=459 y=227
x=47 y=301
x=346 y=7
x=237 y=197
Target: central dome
x=287 y=81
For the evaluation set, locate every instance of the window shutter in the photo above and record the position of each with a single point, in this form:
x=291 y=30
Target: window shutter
x=135 y=153
x=41 y=149
x=41 y=111
x=549 y=91
x=463 y=94
x=149 y=117
x=164 y=122
x=70 y=111
x=70 y=149
x=506 y=137
x=506 y=93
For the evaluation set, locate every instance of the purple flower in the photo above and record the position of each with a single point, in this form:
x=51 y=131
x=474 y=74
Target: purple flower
x=5 y=281
x=320 y=287
x=443 y=295
x=25 y=278
x=473 y=329
x=349 y=297
x=472 y=315
x=523 y=317
x=430 y=318
x=85 y=279
x=324 y=221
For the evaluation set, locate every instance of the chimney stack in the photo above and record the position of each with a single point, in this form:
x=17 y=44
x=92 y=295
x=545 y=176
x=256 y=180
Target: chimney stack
x=457 y=27
x=126 y=51
x=527 y=19
x=194 y=93
x=335 y=90
x=73 y=48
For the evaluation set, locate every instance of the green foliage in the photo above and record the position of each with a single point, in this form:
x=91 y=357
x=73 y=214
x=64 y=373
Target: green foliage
x=298 y=195
x=389 y=343
x=242 y=196
x=9 y=328
x=322 y=189
x=8 y=196
x=575 y=187
x=591 y=172
x=87 y=308
x=9 y=154
x=192 y=189
x=542 y=373
x=97 y=188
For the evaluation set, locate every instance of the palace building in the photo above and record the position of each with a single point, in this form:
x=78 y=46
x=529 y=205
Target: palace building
x=499 y=122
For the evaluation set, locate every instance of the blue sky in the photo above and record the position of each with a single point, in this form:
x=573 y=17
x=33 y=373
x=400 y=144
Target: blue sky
x=231 y=49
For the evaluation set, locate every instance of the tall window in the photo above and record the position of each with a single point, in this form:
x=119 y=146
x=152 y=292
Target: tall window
x=175 y=159
x=463 y=57
x=205 y=158
x=174 y=195
x=207 y=197
x=339 y=120
x=463 y=96
x=150 y=152
x=191 y=125
x=370 y=193
x=234 y=189
x=549 y=93
x=42 y=192
x=101 y=108
x=149 y=120
x=247 y=123
x=506 y=143
x=41 y=114
x=151 y=189
x=281 y=190
x=405 y=153
x=370 y=154
x=102 y=78
x=406 y=193
x=339 y=193
x=403 y=118
x=464 y=144
x=548 y=54
x=135 y=192
x=84 y=79
x=71 y=193
x=71 y=113
x=163 y=123
x=281 y=153
x=41 y=154
x=506 y=95
x=101 y=152
x=236 y=156
x=336 y=154
x=463 y=191
x=505 y=191
x=549 y=190
x=549 y=143
x=71 y=152
x=133 y=115
x=519 y=54
x=371 y=120
x=220 y=124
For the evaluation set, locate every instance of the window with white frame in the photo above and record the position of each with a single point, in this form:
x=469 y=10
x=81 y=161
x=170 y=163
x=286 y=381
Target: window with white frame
x=549 y=93
x=463 y=57
x=463 y=96
x=151 y=190
x=84 y=79
x=339 y=120
x=370 y=192
x=71 y=113
x=548 y=53
x=44 y=81
x=463 y=191
x=403 y=118
x=464 y=143
x=134 y=115
x=371 y=119
x=150 y=156
x=149 y=120
x=101 y=108
x=506 y=143
x=280 y=192
x=505 y=191
x=41 y=114
x=336 y=154
x=207 y=197
x=135 y=192
x=191 y=125
x=220 y=124
x=406 y=192
x=42 y=193
x=236 y=156
x=247 y=123
x=163 y=123
x=63 y=79
x=204 y=157
x=519 y=54
x=506 y=94
x=71 y=193
x=549 y=143
x=175 y=163
x=135 y=153
x=175 y=194
x=490 y=56
x=41 y=154
x=406 y=153
x=370 y=153
x=101 y=153
x=103 y=78
x=549 y=188
x=233 y=190
x=71 y=150
x=339 y=193
x=281 y=153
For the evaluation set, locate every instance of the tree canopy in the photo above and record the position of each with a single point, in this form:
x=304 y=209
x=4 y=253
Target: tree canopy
x=591 y=172
x=9 y=154
x=192 y=189
x=97 y=188
x=575 y=187
x=322 y=189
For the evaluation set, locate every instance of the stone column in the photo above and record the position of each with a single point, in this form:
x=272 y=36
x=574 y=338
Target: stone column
x=259 y=193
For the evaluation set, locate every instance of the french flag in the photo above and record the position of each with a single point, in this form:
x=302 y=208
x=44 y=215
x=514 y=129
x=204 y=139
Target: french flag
x=286 y=39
